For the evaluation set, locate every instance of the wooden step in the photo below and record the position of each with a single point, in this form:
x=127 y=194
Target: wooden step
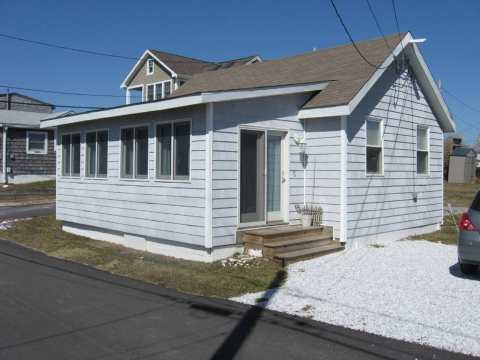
x=278 y=233
x=273 y=248
x=305 y=254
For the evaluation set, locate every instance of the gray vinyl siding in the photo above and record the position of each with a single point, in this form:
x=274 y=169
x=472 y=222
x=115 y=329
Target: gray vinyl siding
x=380 y=204
x=172 y=211
x=323 y=169
x=279 y=112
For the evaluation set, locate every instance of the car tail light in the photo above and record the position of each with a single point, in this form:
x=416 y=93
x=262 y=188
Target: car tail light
x=466 y=224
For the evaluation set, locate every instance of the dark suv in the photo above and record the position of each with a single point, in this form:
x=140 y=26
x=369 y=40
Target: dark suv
x=469 y=238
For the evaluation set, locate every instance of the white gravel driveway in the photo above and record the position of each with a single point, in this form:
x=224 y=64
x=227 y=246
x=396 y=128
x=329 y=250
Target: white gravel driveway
x=409 y=290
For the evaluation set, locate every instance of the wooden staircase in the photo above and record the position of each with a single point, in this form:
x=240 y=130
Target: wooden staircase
x=289 y=243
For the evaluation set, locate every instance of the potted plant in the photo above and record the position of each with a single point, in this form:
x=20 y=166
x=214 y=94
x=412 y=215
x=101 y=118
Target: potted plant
x=311 y=215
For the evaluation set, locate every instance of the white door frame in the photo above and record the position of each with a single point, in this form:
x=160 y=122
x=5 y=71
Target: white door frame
x=284 y=174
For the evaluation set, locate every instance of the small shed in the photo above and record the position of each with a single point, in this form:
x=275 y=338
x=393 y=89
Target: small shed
x=463 y=164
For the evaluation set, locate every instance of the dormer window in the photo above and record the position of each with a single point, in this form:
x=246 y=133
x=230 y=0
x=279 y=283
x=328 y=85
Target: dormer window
x=150 y=67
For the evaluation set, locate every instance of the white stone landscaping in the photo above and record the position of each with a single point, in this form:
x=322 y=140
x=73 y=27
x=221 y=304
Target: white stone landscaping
x=408 y=290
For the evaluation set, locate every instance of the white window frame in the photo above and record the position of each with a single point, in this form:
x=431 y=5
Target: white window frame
x=85 y=170
x=70 y=175
x=45 y=143
x=129 y=94
x=134 y=169
x=427 y=173
x=172 y=152
x=150 y=61
x=145 y=98
x=162 y=83
x=382 y=130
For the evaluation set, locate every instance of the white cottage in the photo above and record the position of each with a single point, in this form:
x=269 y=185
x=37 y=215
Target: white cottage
x=231 y=147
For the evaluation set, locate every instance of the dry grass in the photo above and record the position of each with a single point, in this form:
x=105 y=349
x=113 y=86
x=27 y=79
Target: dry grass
x=20 y=193
x=447 y=234
x=460 y=195
x=45 y=234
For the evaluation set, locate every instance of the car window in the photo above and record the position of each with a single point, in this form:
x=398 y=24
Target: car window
x=476 y=202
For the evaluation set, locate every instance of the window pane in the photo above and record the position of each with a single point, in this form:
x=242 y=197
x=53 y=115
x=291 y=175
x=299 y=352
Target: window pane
x=422 y=139
x=127 y=152
x=141 y=151
x=164 y=150
x=167 y=87
x=422 y=162
x=150 y=66
x=102 y=157
x=374 y=160
x=91 y=154
x=36 y=142
x=182 y=150
x=373 y=133
x=158 y=91
x=150 y=92
x=76 y=154
x=66 y=141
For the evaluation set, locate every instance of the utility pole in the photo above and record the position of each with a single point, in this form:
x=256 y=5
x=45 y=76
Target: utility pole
x=4 y=143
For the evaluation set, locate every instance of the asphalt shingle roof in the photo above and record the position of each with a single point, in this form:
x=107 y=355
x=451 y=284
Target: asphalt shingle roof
x=342 y=66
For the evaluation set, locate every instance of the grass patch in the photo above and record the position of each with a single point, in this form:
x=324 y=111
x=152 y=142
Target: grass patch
x=40 y=190
x=460 y=195
x=45 y=234
x=447 y=234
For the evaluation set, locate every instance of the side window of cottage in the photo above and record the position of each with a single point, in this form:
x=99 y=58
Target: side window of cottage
x=423 y=150
x=173 y=150
x=37 y=142
x=134 y=152
x=97 y=154
x=71 y=155
x=374 y=149
x=158 y=91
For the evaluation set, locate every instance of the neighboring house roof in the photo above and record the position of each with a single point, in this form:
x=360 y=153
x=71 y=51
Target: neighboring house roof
x=26 y=119
x=463 y=151
x=184 y=65
x=338 y=79
x=34 y=101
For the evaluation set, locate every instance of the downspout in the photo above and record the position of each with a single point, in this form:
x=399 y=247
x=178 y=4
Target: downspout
x=343 y=179
x=4 y=154
x=208 y=176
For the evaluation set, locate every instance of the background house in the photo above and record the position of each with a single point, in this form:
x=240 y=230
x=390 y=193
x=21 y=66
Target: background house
x=463 y=165
x=27 y=152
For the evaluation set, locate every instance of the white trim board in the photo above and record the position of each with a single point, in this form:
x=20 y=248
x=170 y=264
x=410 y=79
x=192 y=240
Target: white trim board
x=173 y=103
x=420 y=69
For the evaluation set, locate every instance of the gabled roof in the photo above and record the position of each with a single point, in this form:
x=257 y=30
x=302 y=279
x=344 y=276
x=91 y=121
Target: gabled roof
x=463 y=151
x=184 y=65
x=337 y=78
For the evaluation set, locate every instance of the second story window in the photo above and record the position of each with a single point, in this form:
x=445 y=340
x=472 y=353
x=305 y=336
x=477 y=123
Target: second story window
x=150 y=93
x=422 y=150
x=167 y=89
x=150 y=66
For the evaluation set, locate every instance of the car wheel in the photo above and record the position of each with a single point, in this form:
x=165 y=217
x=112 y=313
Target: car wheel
x=468 y=269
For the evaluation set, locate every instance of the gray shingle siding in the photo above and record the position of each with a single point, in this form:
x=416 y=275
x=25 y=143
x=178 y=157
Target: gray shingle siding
x=24 y=103
x=380 y=204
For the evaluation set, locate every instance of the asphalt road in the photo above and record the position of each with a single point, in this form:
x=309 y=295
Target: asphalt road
x=53 y=309
x=26 y=211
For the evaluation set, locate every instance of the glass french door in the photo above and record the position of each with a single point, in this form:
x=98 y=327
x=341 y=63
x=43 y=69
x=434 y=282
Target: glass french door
x=261 y=176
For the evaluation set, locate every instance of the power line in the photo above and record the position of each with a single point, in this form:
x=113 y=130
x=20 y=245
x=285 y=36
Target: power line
x=378 y=24
x=61 y=92
x=398 y=24
x=50 y=105
x=99 y=53
x=63 y=47
x=351 y=38
x=460 y=100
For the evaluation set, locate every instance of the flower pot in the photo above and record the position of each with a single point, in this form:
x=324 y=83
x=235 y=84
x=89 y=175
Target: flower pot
x=306 y=220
